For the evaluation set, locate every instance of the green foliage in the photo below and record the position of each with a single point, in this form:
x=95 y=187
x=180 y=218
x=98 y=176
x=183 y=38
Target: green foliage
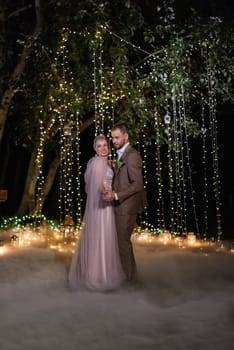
x=149 y=57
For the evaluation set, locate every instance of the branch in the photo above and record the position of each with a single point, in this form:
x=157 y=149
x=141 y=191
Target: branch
x=19 y=68
x=17 y=12
x=27 y=50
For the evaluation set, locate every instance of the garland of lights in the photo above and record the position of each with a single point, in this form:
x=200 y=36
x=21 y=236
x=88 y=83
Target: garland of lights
x=96 y=120
x=144 y=161
x=66 y=170
x=69 y=135
x=44 y=134
x=177 y=168
x=178 y=152
x=176 y=162
x=210 y=79
x=188 y=162
x=158 y=170
x=168 y=132
x=39 y=160
x=98 y=84
x=160 y=213
x=101 y=98
x=204 y=163
x=78 y=176
x=182 y=164
x=170 y=158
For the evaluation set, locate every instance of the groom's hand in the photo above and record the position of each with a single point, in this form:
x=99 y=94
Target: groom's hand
x=108 y=196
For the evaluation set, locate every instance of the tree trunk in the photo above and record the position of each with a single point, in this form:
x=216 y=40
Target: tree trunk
x=47 y=185
x=27 y=204
x=2 y=44
x=19 y=69
x=4 y=160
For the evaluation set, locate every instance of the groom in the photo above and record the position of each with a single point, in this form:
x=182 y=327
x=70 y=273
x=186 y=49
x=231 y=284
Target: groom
x=128 y=195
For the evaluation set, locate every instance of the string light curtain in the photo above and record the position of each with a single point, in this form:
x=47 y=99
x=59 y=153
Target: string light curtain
x=98 y=83
x=175 y=121
x=211 y=103
x=60 y=116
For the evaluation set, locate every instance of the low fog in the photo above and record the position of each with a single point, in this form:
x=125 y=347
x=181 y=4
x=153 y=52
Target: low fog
x=185 y=301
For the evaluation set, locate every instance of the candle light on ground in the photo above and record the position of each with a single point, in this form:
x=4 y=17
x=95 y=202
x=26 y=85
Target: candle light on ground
x=191 y=238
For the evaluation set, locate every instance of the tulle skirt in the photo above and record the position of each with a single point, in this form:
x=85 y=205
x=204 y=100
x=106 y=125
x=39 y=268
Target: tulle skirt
x=96 y=263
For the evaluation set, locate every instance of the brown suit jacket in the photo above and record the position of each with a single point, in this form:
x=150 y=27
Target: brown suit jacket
x=128 y=183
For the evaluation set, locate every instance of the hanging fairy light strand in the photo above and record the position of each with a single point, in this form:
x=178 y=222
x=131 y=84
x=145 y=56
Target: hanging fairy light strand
x=188 y=163
x=182 y=164
x=158 y=170
x=101 y=88
x=60 y=200
x=65 y=140
x=176 y=154
x=144 y=161
x=127 y=42
x=169 y=132
x=78 y=175
x=204 y=163
x=39 y=161
x=160 y=205
x=170 y=158
x=66 y=170
x=67 y=101
x=44 y=135
x=96 y=121
x=210 y=79
x=98 y=83
x=111 y=115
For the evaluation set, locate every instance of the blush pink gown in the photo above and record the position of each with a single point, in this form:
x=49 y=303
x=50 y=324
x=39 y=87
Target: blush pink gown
x=96 y=263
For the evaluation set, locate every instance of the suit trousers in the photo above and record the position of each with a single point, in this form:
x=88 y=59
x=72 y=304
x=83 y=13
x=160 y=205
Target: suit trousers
x=125 y=225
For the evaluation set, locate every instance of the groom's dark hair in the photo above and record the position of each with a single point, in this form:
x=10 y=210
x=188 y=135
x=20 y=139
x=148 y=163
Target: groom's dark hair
x=121 y=126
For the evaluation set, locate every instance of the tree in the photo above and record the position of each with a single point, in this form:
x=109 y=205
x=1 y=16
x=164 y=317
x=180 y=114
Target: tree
x=18 y=70
x=111 y=60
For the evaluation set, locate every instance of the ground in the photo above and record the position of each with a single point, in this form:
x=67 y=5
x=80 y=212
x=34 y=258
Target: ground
x=185 y=301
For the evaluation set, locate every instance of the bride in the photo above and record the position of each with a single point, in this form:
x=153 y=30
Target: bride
x=96 y=263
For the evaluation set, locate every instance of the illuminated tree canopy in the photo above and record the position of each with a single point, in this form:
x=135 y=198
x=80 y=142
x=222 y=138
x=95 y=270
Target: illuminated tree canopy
x=101 y=61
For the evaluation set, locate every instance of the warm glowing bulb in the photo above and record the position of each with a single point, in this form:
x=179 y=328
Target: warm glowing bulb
x=191 y=238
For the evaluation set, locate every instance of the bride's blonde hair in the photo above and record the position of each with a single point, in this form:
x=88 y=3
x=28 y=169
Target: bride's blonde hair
x=97 y=138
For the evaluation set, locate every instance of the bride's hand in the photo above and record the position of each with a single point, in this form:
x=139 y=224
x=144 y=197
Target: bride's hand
x=108 y=196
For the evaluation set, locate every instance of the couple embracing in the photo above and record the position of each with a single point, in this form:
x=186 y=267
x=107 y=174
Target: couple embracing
x=104 y=258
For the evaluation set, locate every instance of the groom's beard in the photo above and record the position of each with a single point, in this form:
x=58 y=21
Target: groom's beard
x=120 y=146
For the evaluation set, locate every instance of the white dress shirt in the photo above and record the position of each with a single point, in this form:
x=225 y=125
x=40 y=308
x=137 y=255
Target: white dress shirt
x=121 y=150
